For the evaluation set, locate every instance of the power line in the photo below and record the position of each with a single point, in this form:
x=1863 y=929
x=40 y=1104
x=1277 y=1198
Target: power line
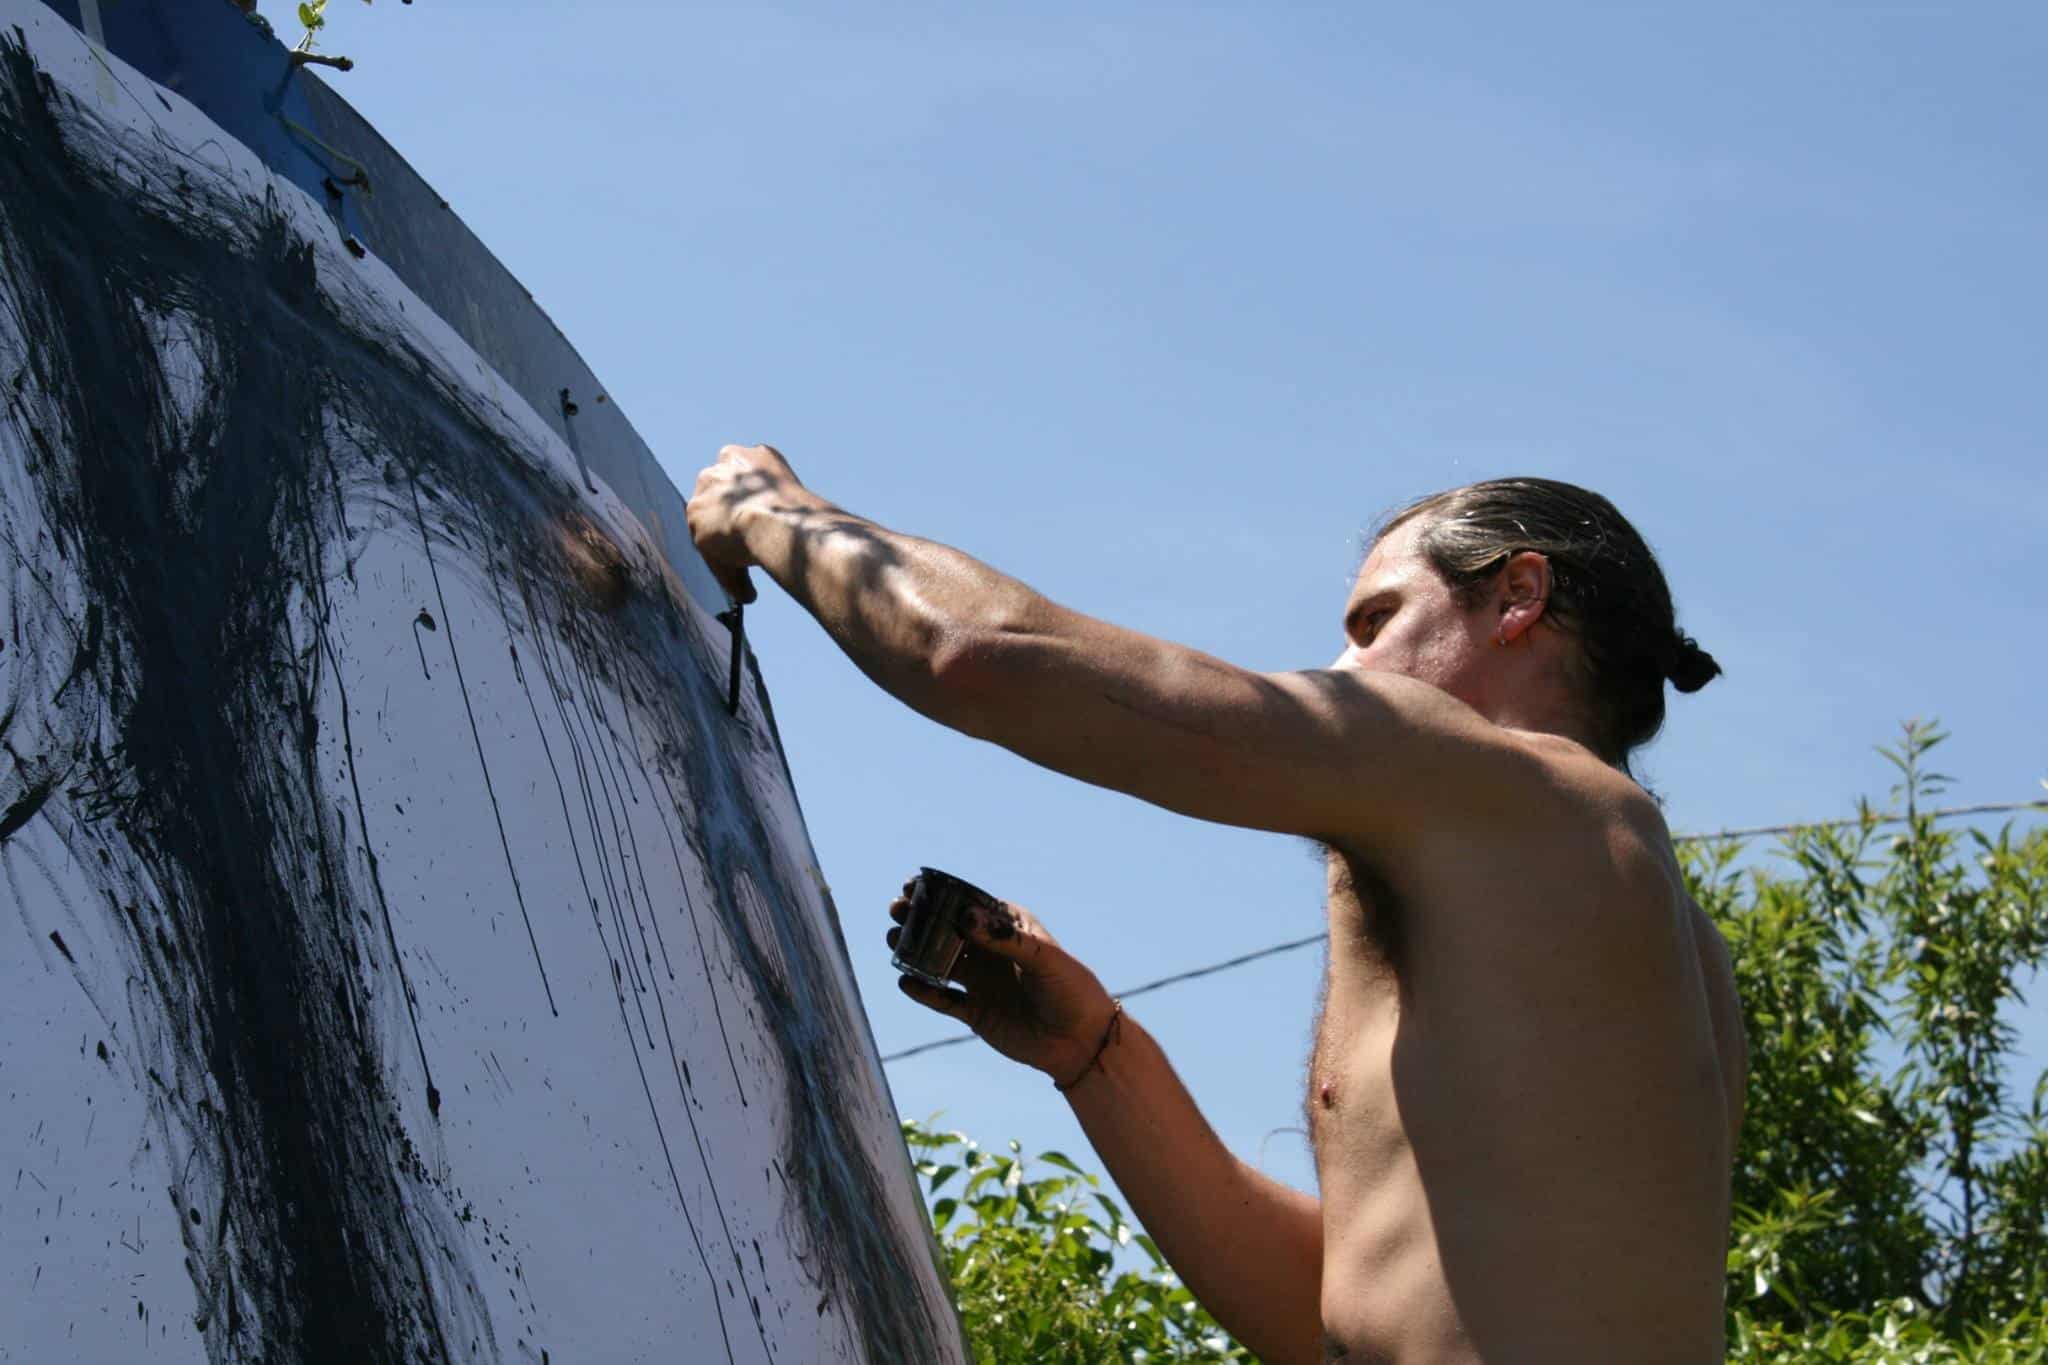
x=1946 y=813
x=1949 y=812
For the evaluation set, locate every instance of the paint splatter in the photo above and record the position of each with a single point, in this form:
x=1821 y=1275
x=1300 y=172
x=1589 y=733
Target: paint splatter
x=192 y=395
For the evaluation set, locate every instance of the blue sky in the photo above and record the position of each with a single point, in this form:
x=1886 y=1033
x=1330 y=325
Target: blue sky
x=1156 y=306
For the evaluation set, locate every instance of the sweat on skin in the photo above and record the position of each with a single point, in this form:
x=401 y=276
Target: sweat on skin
x=1528 y=1072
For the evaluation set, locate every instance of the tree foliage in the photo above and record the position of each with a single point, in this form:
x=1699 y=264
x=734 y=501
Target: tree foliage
x=1891 y=1164
x=1891 y=1188
x=1031 y=1247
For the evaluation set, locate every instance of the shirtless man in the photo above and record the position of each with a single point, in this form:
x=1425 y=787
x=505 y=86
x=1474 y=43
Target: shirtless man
x=1528 y=1075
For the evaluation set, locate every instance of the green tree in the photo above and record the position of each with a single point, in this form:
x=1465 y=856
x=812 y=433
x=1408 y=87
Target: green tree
x=1032 y=1254
x=1888 y=1157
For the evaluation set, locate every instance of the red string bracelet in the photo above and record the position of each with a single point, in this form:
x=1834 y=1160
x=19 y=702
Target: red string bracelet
x=1110 y=1032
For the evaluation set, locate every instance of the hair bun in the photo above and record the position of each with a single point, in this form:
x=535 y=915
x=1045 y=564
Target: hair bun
x=1688 y=666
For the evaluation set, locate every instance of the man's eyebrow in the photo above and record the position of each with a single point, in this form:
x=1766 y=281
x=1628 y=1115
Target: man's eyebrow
x=1366 y=606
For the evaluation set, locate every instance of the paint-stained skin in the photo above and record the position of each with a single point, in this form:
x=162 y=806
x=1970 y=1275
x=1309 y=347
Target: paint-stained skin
x=179 y=757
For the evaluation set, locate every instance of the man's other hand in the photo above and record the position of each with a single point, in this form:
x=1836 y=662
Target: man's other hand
x=1023 y=994
x=744 y=479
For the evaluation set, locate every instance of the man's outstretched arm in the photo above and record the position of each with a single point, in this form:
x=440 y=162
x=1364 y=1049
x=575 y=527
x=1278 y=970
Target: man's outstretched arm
x=1318 y=753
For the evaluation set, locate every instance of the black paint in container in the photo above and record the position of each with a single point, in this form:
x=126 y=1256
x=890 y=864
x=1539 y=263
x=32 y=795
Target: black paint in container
x=930 y=943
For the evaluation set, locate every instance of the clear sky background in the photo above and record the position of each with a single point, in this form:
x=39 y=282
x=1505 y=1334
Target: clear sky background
x=1157 y=306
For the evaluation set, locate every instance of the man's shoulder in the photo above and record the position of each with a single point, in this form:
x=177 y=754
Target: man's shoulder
x=1589 y=785
x=1565 y=831
x=1450 y=775
x=1558 y=784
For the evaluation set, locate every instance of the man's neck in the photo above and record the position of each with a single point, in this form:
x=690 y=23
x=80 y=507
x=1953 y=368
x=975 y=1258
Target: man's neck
x=1546 y=717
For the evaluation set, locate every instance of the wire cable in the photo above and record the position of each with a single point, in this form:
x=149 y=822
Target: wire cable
x=1875 y=821
x=1947 y=813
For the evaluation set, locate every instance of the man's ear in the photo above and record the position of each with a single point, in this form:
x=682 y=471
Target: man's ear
x=1524 y=594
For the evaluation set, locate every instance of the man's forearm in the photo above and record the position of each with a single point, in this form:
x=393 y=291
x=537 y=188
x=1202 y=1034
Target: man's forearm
x=1249 y=1248
x=902 y=608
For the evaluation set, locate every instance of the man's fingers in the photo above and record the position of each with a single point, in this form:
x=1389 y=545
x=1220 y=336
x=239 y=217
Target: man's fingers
x=754 y=456
x=1006 y=931
x=731 y=576
x=954 y=1004
x=898 y=908
x=892 y=936
x=738 y=585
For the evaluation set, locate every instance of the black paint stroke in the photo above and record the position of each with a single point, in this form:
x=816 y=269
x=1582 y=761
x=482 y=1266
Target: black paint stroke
x=24 y=807
x=511 y=865
x=239 y=889
x=198 y=534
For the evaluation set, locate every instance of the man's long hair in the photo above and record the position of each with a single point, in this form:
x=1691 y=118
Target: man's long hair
x=1606 y=589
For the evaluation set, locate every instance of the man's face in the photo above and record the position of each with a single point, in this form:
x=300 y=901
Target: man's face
x=1402 y=618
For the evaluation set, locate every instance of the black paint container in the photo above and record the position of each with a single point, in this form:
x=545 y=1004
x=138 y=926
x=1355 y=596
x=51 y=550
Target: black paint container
x=930 y=941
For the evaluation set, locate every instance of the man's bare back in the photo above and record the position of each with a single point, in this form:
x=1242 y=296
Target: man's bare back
x=1525 y=1089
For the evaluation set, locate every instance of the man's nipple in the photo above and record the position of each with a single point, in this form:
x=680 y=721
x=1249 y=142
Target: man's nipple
x=1328 y=1094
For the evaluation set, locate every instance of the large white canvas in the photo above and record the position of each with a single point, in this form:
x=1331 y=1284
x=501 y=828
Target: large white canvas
x=402 y=953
